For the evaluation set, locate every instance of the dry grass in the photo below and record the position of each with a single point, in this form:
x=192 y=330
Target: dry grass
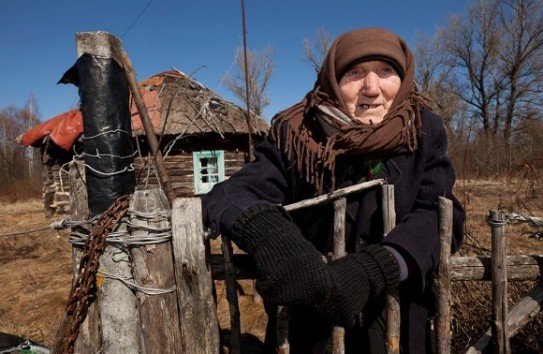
x=472 y=300
x=35 y=270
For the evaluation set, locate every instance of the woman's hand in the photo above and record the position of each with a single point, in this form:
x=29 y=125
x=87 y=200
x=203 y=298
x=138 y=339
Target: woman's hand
x=291 y=271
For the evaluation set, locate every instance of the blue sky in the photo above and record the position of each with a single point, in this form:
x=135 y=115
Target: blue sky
x=37 y=39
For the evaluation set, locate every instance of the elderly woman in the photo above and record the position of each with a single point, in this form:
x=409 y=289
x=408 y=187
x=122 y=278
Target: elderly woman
x=362 y=120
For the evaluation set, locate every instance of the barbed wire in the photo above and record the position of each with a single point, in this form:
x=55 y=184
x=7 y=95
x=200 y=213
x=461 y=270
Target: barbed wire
x=517 y=217
x=133 y=286
x=106 y=132
x=25 y=231
x=55 y=225
x=136 y=234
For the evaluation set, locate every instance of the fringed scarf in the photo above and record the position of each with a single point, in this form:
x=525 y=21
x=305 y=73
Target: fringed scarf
x=319 y=128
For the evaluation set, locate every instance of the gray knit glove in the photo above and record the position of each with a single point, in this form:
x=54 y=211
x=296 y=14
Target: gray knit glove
x=291 y=271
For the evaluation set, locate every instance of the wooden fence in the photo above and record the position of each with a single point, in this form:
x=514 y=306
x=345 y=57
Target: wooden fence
x=171 y=299
x=499 y=269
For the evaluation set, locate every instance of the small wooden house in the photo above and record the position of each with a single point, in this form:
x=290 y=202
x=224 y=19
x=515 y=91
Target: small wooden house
x=204 y=139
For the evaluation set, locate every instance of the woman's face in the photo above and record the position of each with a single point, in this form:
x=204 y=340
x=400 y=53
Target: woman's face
x=368 y=89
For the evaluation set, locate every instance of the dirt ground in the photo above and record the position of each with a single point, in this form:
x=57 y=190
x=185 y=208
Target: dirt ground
x=36 y=270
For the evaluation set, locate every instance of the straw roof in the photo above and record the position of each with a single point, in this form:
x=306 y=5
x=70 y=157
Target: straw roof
x=176 y=104
x=188 y=107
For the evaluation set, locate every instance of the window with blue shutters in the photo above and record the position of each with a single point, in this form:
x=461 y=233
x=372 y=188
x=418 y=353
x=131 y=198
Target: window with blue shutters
x=208 y=170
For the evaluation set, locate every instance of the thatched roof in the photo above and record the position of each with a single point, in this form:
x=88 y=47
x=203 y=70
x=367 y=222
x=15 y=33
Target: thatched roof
x=176 y=104
x=188 y=107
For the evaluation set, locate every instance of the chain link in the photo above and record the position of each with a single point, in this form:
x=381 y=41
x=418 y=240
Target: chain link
x=84 y=288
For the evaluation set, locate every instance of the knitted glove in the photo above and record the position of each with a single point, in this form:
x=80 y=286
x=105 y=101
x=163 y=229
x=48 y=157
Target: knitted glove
x=356 y=279
x=291 y=270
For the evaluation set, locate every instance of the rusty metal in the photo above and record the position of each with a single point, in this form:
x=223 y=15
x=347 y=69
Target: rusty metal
x=84 y=288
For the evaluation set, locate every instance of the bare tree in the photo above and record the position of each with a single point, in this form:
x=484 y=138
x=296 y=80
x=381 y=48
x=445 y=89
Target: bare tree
x=487 y=64
x=12 y=154
x=432 y=71
x=471 y=46
x=315 y=49
x=495 y=54
x=520 y=61
x=29 y=118
x=260 y=67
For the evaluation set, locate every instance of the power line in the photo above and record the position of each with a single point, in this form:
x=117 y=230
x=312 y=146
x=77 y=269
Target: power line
x=137 y=18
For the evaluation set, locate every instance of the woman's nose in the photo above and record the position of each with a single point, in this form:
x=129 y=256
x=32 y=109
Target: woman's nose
x=370 y=85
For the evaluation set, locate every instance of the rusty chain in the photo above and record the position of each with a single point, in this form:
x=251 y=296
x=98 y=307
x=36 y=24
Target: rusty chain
x=84 y=288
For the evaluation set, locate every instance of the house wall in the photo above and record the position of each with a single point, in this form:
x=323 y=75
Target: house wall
x=178 y=164
x=180 y=171
x=56 y=190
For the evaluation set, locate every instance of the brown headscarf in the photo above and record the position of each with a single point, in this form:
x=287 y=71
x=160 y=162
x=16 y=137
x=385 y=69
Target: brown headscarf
x=319 y=128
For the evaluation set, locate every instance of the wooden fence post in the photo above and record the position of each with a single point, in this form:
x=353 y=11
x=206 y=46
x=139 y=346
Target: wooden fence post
x=197 y=309
x=119 y=316
x=499 y=281
x=443 y=279
x=340 y=208
x=231 y=295
x=393 y=303
x=154 y=268
x=283 y=345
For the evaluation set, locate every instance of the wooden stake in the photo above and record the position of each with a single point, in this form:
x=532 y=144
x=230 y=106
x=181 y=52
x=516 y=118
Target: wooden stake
x=231 y=295
x=154 y=268
x=197 y=309
x=340 y=208
x=147 y=125
x=499 y=282
x=443 y=279
x=393 y=303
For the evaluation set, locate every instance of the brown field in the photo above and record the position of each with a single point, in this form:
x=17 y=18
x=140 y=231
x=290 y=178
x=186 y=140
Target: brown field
x=35 y=269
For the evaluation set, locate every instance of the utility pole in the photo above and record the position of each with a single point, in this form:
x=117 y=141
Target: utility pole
x=247 y=88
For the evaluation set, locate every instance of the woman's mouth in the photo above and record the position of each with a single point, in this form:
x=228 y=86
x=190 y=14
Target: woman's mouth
x=368 y=106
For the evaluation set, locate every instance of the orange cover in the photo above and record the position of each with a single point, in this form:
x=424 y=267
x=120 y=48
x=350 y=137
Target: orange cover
x=65 y=128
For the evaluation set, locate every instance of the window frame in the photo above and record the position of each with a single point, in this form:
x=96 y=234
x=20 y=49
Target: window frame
x=201 y=187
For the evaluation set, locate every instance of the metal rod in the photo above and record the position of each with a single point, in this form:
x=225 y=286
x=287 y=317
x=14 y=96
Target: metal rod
x=247 y=82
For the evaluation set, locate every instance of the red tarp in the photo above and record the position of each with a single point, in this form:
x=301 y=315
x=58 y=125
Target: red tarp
x=65 y=128
x=62 y=129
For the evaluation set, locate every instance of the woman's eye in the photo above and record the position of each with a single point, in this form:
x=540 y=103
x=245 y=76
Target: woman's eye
x=354 y=73
x=386 y=71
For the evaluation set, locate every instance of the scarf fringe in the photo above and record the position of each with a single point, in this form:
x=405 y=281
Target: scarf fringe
x=316 y=161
